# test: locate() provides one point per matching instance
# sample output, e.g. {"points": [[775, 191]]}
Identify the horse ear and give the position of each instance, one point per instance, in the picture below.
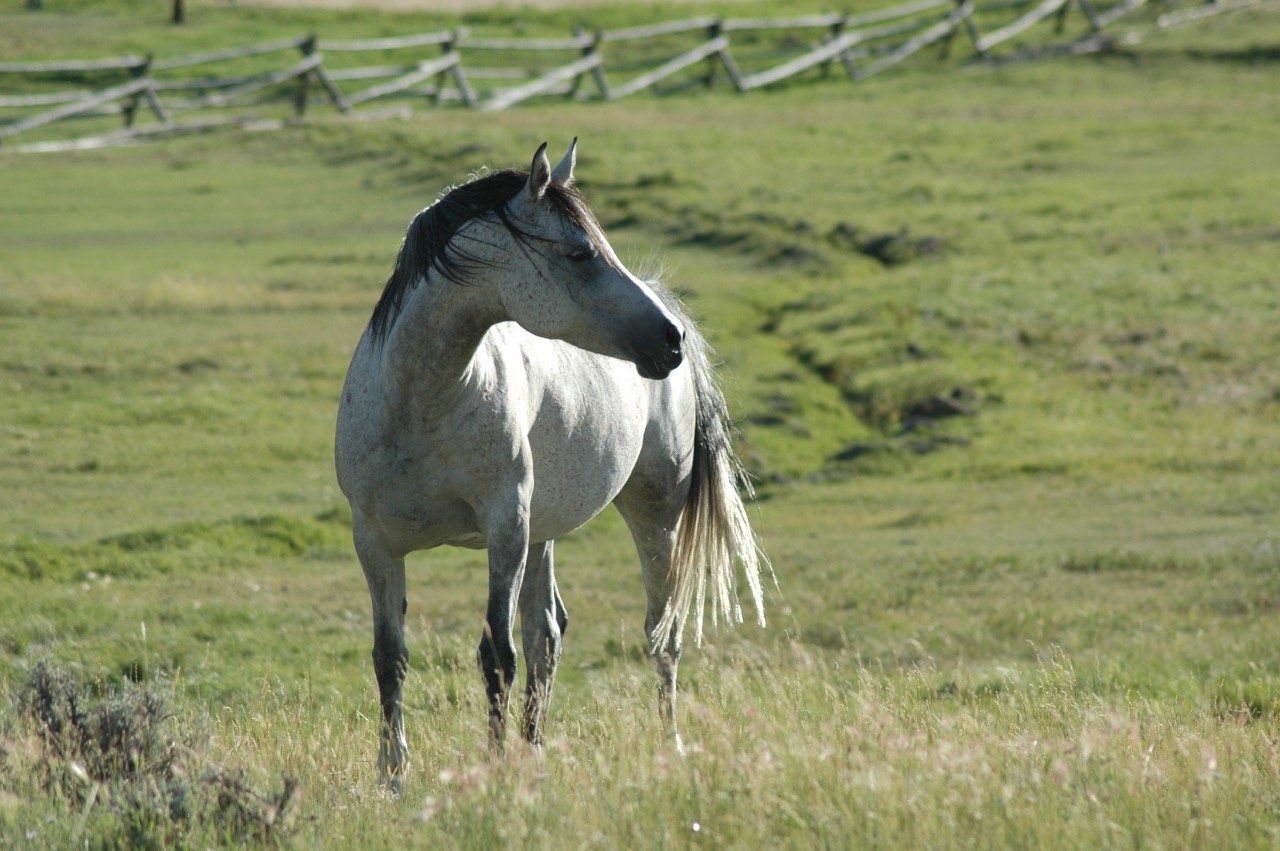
{"points": [[539, 175], [563, 173]]}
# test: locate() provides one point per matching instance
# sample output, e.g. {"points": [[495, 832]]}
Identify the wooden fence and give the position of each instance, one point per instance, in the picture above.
{"points": [[458, 67]]}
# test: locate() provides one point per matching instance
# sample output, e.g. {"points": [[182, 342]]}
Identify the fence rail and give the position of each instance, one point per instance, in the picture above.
{"points": [[886, 37]]}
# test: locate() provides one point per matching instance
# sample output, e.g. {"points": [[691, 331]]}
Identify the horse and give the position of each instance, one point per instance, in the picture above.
{"points": [[514, 379]]}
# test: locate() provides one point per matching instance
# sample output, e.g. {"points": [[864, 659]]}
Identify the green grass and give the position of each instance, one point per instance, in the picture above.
{"points": [[1048, 620]]}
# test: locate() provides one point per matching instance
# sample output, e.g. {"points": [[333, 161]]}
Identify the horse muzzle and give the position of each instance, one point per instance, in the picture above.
{"points": [[659, 362]]}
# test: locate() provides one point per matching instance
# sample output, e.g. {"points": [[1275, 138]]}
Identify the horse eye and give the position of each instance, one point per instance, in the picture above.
{"points": [[580, 255]]}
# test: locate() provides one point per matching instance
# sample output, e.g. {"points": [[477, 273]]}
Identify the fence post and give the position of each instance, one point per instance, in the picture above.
{"points": [[1090, 13], [596, 72], [131, 105], [972, 28], [446, 47], [1061, 23], [713, 32], [944, 46], [724, 57], [335, 94], [308, 47], [459, 76], [837, 30]]}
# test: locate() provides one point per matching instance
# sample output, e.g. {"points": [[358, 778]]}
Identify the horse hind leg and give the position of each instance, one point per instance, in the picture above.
{"points": [[384, 575], [665, 648], [666, 658], [543, 622], [652, 526]]}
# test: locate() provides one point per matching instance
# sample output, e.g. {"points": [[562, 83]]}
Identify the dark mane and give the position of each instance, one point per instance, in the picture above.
{"points": [[428, 236]]}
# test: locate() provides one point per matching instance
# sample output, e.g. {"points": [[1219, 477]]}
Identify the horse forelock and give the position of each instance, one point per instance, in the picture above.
{"points": [[430, 232]]}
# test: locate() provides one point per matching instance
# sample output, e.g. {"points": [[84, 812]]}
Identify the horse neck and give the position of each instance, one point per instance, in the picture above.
{"points": [[429, 351]]}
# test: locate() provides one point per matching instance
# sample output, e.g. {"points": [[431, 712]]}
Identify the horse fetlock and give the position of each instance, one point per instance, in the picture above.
{"points": [[393, 759], [498, 676], [537, 701], [531, 723], [497, 731]]}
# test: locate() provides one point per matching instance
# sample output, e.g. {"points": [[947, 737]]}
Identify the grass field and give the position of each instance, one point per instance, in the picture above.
{"points": [[1004, 353]]}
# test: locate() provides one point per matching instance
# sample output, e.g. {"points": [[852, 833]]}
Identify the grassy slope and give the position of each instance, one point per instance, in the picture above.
{"points": [[1000, 627]]}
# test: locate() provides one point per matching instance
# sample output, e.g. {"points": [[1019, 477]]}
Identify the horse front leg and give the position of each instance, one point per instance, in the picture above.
{"points": [[497, 652], [384, 574], [543, 622]]}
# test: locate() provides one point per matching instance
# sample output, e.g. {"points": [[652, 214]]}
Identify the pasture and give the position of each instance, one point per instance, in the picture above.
{"points": [[1002, 347]]}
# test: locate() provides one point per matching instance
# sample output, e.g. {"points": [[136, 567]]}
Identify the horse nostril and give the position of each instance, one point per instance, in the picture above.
{"points": [[675, 335]]}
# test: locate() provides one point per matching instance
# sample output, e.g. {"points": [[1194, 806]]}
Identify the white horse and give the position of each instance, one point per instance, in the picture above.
{"points": [[515, 379]]}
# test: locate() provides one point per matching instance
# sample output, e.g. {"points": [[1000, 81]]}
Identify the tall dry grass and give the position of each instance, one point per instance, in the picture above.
{"points": [[798, 750]]}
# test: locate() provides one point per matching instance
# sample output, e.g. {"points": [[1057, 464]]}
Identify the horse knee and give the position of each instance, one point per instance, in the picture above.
{"points": [[390, 665]]}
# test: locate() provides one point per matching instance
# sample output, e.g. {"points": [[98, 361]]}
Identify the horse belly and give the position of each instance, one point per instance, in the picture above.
{"points": [[565, 498], [419, 516]]}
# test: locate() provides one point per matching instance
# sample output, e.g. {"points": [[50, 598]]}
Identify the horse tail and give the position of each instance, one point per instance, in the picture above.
{"points": [[713, 533]]}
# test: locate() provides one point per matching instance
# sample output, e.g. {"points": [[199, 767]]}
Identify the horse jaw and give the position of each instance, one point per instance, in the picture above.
{"points": [[650, 369]]}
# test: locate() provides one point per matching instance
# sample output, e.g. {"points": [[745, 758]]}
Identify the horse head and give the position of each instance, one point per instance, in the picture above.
{"points": [[565, 281]]}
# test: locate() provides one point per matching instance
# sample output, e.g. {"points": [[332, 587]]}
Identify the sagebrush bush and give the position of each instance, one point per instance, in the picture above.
{"points": [[116, 757]]}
